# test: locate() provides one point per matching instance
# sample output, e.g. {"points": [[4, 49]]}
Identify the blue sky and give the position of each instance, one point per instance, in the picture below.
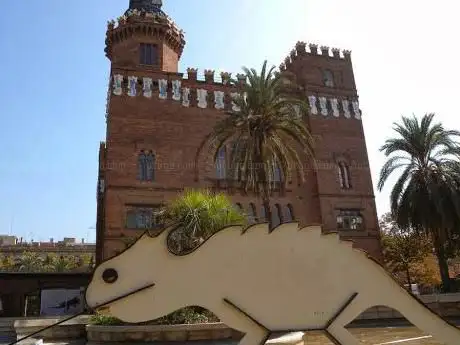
{"points": [[55, 74]]}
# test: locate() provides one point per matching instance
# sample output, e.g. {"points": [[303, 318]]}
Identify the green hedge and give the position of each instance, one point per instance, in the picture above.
{"points": [[186, 315]]}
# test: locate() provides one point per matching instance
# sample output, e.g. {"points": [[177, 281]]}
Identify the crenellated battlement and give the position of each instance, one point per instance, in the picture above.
{"points": [[325, 51], [146, 23], [137, 16], [189, 91]]}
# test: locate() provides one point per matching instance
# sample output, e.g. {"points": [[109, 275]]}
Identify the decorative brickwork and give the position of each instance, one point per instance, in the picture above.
{"points": [[157, 109]]}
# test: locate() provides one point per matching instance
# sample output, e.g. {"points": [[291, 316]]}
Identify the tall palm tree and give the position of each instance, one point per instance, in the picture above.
{"points": [[426, 196], [265, 135]]}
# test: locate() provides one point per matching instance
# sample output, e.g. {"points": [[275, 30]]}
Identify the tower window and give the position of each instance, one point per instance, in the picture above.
{"points": [[344, 175], [349, 220], [148, 54], [328, 78], [145, 166]]}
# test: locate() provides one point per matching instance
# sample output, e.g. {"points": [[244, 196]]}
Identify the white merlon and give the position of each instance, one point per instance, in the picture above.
{"points": [[201, 96], [356, 110], [117, 84], [163, 88], [176, 90], [335, 107], [219, 99], [312, 101], [186, 97], [147, 87], [234, 106], [132, 86], [346, 108], [324, 105]]}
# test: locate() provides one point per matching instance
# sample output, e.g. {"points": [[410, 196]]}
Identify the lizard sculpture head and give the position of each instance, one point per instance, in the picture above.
{"points": [[139, 272]]}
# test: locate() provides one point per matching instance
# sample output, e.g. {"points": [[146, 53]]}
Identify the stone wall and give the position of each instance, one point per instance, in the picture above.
{"points": [[72, 329], [130, 333]]}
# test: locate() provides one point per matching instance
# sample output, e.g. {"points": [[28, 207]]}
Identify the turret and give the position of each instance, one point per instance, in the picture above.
{"points": [[144, 37]]}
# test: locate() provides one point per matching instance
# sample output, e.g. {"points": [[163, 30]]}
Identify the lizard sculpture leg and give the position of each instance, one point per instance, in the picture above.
{"points": [[336, 329], [423, 318], [255, 333]]}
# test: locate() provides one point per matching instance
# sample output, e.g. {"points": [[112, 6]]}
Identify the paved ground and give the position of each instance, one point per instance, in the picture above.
{"points": [[397, 334]]}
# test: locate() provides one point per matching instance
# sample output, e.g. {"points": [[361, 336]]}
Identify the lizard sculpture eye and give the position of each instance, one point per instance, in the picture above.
{"points": [[110, 276]]}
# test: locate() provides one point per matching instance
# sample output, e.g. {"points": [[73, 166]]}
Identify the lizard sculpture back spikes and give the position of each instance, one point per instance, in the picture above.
{"points": [[259, 282]]}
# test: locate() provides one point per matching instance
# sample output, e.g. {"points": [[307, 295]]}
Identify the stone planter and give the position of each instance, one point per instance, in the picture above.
{"points": [[135, 333], [72, 329]]}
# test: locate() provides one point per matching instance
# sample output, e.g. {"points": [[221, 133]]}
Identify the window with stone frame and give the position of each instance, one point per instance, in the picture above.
{"points": [[146, 166], [148, 54], [344, 175], [350, 220], [143, 217]]}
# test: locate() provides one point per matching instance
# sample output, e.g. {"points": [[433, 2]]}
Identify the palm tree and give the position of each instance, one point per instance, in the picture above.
{"points": [[426, 196], [200, 214], [264, 136]]}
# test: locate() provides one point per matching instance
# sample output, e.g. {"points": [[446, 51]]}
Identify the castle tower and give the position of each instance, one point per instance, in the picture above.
{"points": [[344, 184], [157, 118]]}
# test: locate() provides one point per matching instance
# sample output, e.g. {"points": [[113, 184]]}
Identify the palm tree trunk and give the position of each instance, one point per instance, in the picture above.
{"points": [[265, 185], [442, 263]]}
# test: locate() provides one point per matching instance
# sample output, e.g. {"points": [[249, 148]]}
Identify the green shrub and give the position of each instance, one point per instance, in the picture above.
{"points": [[187, 315], [104, 320]]}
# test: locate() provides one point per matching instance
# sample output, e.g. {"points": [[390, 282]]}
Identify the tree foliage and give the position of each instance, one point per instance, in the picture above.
{"points": [[404, 250], [32, 262], [426, 196], [264, 138]]}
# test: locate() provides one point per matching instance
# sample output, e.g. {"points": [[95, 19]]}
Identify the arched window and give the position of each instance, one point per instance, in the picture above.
{"points": [[239, 207], [344, 175], [220, 164], [328, 78], [146, 166], [276, 215], [252, 213], [263, 214], [288, 213]]}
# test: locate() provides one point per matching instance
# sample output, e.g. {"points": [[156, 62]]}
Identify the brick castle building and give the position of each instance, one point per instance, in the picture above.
{"points": [[157, 117]]}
